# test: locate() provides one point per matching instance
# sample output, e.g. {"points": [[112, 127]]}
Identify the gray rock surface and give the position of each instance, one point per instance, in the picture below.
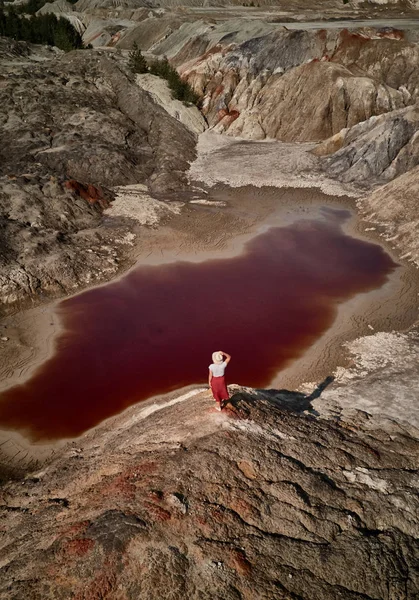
{"points": [[378, 149], [149, 32], [394, 209], [383, 378], [328, 96], [57, 7], [72, 127]]}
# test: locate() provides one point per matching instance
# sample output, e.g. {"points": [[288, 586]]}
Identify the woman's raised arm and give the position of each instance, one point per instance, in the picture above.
{"points": [[227, 357]]}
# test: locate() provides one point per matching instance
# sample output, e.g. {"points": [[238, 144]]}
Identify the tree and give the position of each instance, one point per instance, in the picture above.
{"points": [[136, 61], [40, 29], [181, 90]]}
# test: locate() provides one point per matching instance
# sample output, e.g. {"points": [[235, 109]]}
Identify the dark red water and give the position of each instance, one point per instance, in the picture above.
{"points": [[155, 329]]}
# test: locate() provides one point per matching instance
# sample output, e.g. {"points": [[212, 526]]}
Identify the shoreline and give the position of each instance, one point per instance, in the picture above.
{"points": [[36, 340], [241, 218], [367, 315], [161, 246]]}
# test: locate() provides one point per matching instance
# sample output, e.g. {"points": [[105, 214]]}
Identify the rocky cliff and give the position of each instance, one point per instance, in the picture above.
{"points": [[249, 74], [262, 87], [355, 92], [259, 79]]}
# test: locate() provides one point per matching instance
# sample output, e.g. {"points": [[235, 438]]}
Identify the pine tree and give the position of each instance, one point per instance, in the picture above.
{"points": [[40, 29], [181, 90], [136, 61]]}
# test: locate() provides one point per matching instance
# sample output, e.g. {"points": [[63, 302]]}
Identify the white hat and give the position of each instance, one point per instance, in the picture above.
{"points": [[217, 357]]}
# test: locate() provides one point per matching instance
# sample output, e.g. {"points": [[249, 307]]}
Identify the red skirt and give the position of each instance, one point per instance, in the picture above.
{"points": [[219, 388]]}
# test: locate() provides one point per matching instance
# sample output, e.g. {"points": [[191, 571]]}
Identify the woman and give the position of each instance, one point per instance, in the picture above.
{"points": [[216, 379]]}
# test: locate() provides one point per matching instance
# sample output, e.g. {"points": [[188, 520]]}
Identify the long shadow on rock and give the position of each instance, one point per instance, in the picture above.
{"points": [[245, 403]]}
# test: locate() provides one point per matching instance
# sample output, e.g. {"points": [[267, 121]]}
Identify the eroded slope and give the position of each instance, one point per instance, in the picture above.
{"points": [[73, 127]]}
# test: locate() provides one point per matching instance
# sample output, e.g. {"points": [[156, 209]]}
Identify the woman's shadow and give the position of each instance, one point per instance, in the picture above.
{"points": [[287, 400]]}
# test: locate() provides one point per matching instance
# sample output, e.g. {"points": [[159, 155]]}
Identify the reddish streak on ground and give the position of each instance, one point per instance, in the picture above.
{"points": [[154, 330]]}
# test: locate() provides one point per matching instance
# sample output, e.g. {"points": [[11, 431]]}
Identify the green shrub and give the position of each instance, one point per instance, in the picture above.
{"points": [[136, 61], [181, 90]]}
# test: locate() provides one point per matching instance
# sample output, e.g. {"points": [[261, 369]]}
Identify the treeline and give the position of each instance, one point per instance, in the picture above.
{"points": [[181, 90], [40, 29]]}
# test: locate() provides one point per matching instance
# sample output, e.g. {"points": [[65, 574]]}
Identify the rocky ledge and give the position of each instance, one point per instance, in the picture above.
{"points": [[267, 499]]}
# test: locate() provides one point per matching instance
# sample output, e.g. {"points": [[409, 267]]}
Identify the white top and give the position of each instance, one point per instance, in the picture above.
{"points": [[217, 369]]}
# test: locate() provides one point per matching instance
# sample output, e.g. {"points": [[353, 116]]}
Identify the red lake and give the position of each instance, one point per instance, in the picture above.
{"points": [[154, 330]]}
